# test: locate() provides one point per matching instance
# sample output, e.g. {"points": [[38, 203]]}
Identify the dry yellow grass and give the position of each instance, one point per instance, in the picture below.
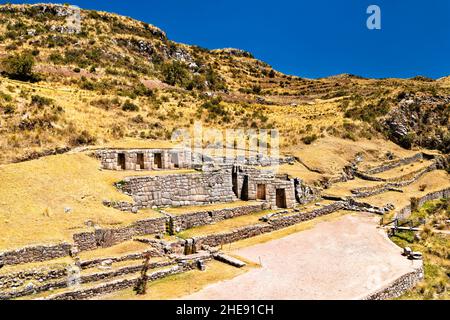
{"points": [[342, 189], [329, 155], [34, 195], [434, 181], [121, 249], [298, 170], [404, 170]]}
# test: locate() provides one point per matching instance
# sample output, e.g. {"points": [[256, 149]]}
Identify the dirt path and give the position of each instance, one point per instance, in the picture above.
{"points": [[343, 259]]}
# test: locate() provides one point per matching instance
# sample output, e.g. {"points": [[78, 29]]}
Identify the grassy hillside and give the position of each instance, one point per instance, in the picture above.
{"points": [[122, 78]]}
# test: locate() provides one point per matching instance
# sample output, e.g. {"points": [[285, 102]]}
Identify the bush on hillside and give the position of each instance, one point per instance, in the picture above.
{"points": [[175, 73], [19, 67]]}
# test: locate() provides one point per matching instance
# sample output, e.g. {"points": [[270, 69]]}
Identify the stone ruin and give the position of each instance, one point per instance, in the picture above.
{"points": [[144, 159], [218, 180]]}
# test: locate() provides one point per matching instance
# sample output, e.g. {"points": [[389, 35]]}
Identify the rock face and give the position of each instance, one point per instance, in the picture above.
{"points": [[304, 193], [422, 121]]}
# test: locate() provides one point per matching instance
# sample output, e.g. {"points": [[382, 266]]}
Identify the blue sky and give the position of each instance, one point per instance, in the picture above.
{"points": [[308, 38]]}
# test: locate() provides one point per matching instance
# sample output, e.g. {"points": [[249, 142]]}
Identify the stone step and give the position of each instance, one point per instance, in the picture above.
{"points": [[229, 260]]}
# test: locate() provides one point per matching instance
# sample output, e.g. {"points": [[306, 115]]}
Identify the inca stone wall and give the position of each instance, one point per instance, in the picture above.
{"points": [[108, 237], [35, 254], [396, 183], [218, 239], [190, 220], [247, 180], [82, 294], [169, 159], [418, 202], [20, 278], [286, 221], [394, 164], [255, 230], [177, 190], [399, 286]]}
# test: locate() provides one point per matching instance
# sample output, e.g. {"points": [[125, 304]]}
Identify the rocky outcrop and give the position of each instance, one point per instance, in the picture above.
{"points": [[421, 121], [305, 193]]}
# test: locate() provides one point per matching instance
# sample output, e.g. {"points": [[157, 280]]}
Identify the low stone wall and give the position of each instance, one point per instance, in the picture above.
{"points": [[394, 164], [59, 280], [217, 239], [35, 254], [130, 257], [398, 287], [121, 271], [395, 183], [163, 247], [20, 278], [190, 220], [416, 203], [83, 294], [286, 221], [108, 237]]}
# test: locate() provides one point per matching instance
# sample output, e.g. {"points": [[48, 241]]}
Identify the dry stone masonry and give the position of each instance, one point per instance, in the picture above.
{"points": [[217, 180]]}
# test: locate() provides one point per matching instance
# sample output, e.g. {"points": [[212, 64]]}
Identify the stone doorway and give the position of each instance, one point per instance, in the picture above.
{"points": [[234, 180], [175, 160], [121, 161], [140, 161], [261, 192], [157, 160], [281, 198], [244, 190]]}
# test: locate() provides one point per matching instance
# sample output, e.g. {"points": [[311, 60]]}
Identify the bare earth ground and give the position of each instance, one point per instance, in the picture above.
{"points": [[347, 258]]}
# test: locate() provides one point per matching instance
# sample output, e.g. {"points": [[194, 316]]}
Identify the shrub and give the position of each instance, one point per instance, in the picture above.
{"points": [[256, 89], [309, 139], [214, 80], [20, 67], [84, 138], [272, 74], [129, 106], [40, 101], [215, 109], [175, 73], [407, 140]]}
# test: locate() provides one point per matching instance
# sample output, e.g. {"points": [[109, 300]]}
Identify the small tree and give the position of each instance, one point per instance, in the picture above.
{"points": [[20, 67], [175, 73]]}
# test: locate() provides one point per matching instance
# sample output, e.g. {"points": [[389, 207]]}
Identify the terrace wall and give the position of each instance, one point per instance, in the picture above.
{"points": [[35, 254], [190, 220], [103, 238], [398, 287]]}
